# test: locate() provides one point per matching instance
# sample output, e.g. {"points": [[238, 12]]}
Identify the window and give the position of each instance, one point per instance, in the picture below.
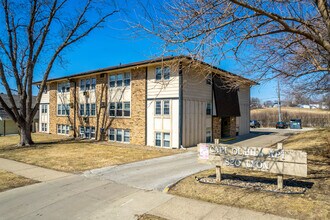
{"points": [[44, 108], [126, 136], [158, 108], [163, 73], [119, 80], [63, 129], [87, 132], [162, 107], [63, 87], [112, 81], [158, 139], [119, 135], [63, 109], [208, 136], [87, 84], [166, 139], [112, 109], [127, 109], [82, 85], [87, 109], [112, 134], [162, 139], [127, 79], [82, 109], [166, 107], [93, 83], [208, 109], [82, 132], [120, 109], [93, 109], [43, 127]]}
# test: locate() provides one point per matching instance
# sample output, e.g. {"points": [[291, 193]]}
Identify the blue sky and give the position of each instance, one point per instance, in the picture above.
{"points": [[115, 44]]}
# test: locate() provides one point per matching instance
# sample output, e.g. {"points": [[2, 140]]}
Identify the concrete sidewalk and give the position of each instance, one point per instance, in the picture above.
{"points": [[31, 171], [78, 197]]}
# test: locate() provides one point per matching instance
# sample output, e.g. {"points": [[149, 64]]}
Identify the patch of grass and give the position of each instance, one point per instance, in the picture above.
{"points": [[9, 180], [76, 156], [314, 204], [12, 140]]}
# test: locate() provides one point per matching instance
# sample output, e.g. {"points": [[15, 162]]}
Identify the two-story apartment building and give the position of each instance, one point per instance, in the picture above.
{"points": [[165, 102]]}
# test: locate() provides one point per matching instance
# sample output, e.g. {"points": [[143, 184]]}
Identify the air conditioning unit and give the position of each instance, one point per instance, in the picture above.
{"points": [[86, 93], [86, 119], [103, 105]]}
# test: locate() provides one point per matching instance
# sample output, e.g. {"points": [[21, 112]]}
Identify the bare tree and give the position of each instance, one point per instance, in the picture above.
{"points": [[286, 38], [34, 34]]}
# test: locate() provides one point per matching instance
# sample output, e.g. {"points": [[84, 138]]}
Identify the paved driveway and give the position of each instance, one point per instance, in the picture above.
{"points": [[157, 174]]}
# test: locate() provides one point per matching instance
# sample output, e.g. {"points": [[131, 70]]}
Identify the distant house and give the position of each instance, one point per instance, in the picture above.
{"points": [[7, 125]]}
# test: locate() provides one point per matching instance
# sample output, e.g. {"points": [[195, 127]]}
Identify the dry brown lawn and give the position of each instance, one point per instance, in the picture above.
{"points": [[314, 204], [76, 156], [9, 181]]}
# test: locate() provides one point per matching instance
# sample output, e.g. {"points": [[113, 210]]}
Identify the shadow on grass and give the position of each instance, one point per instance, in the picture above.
{"points": [[265, 180]]}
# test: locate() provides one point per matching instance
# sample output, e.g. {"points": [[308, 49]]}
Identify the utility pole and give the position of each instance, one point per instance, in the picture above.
{"points": [[279, 100]]}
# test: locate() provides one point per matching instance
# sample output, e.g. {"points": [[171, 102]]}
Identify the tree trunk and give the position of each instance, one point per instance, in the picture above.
{"points": [[25, 135]]}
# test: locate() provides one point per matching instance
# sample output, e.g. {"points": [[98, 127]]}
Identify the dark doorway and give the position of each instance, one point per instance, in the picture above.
{"points": [[225, 127]]}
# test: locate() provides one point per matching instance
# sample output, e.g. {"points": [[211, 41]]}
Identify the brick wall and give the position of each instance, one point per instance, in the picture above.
{"points": [[216, 127]]}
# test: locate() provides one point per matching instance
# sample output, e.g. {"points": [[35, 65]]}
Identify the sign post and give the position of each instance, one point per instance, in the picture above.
{"points": [[271, 160]]}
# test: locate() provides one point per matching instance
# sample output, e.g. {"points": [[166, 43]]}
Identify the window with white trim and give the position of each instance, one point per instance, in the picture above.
{"points": [[162, 107], [208, 109], [63, 129], [162, 73], [87, 132], [44, 108], [162, 139], [63, 87], [87, 84], [120, 109], [119, 135], [87, 109], [44, 127], [63, 109], [120, 79]]}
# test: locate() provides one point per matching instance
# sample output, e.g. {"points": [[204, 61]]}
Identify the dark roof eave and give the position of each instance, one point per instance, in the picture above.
{"points": [[145, 62]]}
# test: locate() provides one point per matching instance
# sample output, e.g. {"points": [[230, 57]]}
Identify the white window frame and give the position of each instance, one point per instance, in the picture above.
{"points": [[115, 110], [162, 139], [162, 73], [44, 108], [125, 76], [115, 132], [90, 135], [65, 85], [208, 135], [66, 109], [63, 129], [44, 127], [162, 108], [208, 110], [83, 84], [83, 109]]}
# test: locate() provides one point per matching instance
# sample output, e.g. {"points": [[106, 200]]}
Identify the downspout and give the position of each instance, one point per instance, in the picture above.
{"points": [[146, 108], [180, 105]]}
